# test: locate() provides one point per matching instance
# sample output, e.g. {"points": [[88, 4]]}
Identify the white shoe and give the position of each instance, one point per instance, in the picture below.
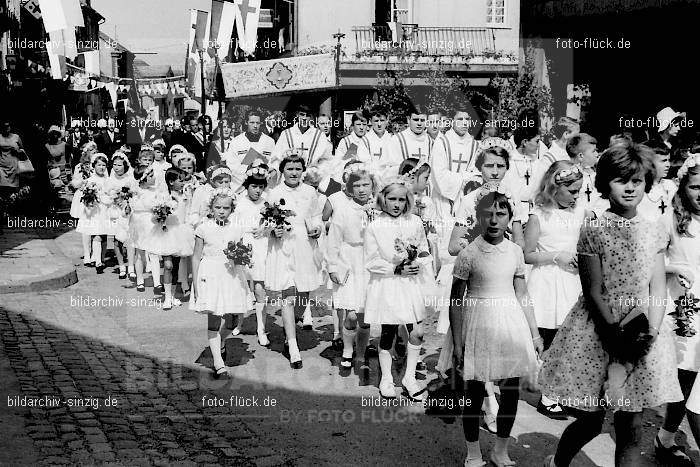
{"points": [[236, 331], [262, 339], [476, 462], [167, 304], [387, 389], [176, 302]]}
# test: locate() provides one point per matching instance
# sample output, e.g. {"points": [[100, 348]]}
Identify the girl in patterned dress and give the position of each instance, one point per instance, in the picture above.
{"points": [[494, 332], [551, 235], [621, 262]]}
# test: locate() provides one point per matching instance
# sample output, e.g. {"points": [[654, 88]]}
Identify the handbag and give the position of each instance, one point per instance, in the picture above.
{"points": [[25, 167]]}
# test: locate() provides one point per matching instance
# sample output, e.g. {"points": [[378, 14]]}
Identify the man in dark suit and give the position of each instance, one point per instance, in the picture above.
{"points": [[109, 140]]}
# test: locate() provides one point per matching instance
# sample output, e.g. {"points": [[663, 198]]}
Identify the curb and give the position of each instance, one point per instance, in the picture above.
{"points": [[64, 277]]}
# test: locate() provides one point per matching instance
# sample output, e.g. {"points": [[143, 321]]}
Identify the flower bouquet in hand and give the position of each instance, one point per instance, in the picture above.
{"points": [[161, 210], [407, 253], [240, 254], [90, 195], [274, 215], [122, 196], [370, 210], [687, 307]]}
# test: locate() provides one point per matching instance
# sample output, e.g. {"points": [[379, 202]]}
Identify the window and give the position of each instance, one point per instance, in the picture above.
{"points": [[400, 11], [496, 11]]}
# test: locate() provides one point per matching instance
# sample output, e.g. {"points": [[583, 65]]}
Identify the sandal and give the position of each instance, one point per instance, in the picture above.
{"points": [[413, 391], [346, 362], [490, 422], [554, 411]]}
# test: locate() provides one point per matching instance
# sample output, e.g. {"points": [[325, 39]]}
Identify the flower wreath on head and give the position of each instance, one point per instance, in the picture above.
{"points": [[94, 157], [352, 168], [292, 152], [563, 176], [397, 180], [486, 189], [408, 176], [219, 171], [494, 141], [227, 192], [146, 147], [182, 156], [122, 156], [689, 163], [254, 169]]}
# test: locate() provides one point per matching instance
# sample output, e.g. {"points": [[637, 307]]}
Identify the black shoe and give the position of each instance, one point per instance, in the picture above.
{"points": [[371, 352], [100, 269], [421, 366], [159, 290], [140, 288], [91, 264], [132, 277], [219, 372], [296, 365], [551, 411], [675, 455], [337, 344], [122, 275]]}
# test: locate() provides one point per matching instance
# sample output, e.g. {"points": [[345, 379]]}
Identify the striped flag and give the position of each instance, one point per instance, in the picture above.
{"points": [[223, 16], [247, 17]]}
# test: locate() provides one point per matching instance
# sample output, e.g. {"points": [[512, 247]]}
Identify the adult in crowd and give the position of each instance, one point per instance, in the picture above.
{"points": [[108, 140], [11, 153], [245, 148], [669, 126]]}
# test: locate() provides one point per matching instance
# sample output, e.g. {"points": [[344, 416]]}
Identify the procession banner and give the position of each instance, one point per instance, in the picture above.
{"points": [[262, 77]]}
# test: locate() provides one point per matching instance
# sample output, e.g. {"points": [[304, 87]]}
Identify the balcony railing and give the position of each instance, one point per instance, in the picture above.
{"points": [[432, 41]]}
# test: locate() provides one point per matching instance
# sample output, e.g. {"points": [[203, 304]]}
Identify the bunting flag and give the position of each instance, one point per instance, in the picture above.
{"points": [[223, 16], [58, 66], [247, 17], [61, 14], [134, 99]]}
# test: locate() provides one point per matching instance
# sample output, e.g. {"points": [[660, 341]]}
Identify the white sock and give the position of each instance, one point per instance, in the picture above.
{"points": [[96, 250], [412, 352], [168, 292], [154, 263], [547, 401], [348, 341], [260, 316], [473, 450], [385, 365], [87, 248], [294, 355], [667, 438], [215, 347]]}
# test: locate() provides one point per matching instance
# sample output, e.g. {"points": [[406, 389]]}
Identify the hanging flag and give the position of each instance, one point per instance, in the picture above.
{"points": [[92, 62], [134, 99], [247, 17], [219, 88], [61, 14], [63, 43], [32, 6], [223, 16], [198, 39], [58, 66]]}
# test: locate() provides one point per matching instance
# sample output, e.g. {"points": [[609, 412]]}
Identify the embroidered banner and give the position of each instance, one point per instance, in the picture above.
{"points": [[273, 76]]}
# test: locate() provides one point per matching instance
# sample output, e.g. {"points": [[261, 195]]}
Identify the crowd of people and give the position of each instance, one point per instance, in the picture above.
{"points": [[551, 264]]}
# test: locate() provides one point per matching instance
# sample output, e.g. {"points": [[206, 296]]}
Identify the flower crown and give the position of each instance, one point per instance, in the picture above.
{"points": [[223, 192], [397, 180], [493, 141], [182, 156], [689, 163], [352, 168], [220, 171], [563, 175], [408, 176], [97, 155], [488, 188], [122, 156], [256, 172]]}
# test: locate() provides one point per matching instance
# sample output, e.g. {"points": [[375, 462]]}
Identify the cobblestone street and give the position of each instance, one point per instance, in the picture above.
{"points": [[133, 387]]}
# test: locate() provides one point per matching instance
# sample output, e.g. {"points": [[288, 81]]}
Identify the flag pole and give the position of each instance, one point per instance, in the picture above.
{"points": [[219, 98], [201, 80]]}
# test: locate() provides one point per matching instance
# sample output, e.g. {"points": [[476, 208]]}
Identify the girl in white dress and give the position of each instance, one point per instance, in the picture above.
{"points": [[121, 176], [174, 241], [657, 204], [160, 165], [394, 294], [219, 176], [82, 172], [683, 270], [293, 266], [220, 286], [187, 162], [551, 236], [247, 216], [95, 220], [346, 265], [493, 328], [141, 222]]}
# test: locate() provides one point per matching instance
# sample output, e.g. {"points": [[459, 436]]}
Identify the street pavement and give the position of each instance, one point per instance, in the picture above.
{"points": [[130, 384]]}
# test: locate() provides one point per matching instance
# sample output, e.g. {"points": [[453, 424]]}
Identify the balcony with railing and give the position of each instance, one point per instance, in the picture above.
{"points": [[424, 41]]}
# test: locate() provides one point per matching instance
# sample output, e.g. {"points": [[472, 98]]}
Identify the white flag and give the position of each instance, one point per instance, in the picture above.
{"points": [[92, 62], [247, 18], [63, 43], [61, 14]]}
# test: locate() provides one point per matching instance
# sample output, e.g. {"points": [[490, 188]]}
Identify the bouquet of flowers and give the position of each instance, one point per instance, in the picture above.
{"points": [[240, 253], [121, 197], [90, 195], [687, 306], [85, 170], [407, 251], [274, 215], [371, 211], [161, 211]]}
